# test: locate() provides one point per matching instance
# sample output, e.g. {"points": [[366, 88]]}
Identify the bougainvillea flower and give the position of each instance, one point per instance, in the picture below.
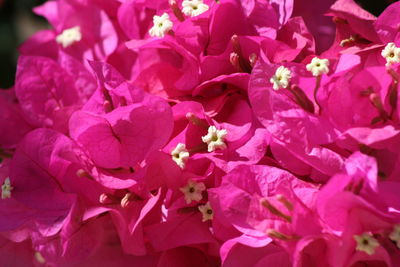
{"points": [[203, 133]]}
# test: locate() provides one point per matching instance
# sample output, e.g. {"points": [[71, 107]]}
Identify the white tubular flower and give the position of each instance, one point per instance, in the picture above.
{"points": [[180, 155], [194, 8], [395, 235], [281, 78], [193, 191], [215, 138], [69, 36], [162, 25], [206, 211], [318, 66], [391, 53], [6, 189], [366, 243]]}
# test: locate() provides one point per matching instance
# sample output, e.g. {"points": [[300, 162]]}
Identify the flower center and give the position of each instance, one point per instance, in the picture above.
{"points": [[6, 189], [395, 235], [391, 53], [281, 78], [215, 139], [161, 25], [366, 243], [69, 36], [206, 211], [180, 155], [193, 8], [318, 66], [193, 191]]}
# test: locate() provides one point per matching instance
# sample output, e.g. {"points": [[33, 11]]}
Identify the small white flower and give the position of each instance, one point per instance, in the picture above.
{"points": [[6, 189], [180, 155], [366, 243], [162, 25], [69, 36], [391, 53], [215, 138], [206, 211], [193, 191], [318, 66], [281, 78], [395, 235], [194, 8]]}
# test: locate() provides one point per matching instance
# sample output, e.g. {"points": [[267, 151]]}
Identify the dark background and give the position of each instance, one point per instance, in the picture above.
{"points": [[17, 22]]}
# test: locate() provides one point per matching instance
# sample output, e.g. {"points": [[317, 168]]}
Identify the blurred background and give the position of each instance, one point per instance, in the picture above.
{"points": [[17, 22]]}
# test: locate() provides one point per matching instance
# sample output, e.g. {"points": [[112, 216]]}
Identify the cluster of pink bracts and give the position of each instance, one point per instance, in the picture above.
{"points": [[203, 133]]}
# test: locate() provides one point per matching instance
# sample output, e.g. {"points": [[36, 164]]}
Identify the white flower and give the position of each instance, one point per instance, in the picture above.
{"points": [[318, 66], [206, 211], [215, 138], [367, 243], [391, 53], [193, 191], [162, 25], [6, 189], [69, 36], [395, 235], [281, 78], [194, 8], [180, 155]]}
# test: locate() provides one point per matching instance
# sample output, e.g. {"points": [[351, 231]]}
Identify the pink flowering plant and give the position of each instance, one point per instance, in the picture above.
{"points": [[203, 133]]}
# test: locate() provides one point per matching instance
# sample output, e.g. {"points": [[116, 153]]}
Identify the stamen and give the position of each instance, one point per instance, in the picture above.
{"points": [[253, 59], [347, 42], [301, 98], [175, 9], [234, 59], [393, 91], [317, 85], [81, 173], [377, 103], [243, 63], [196, 120], [108, 103], [275, 234], [105, 199], [39, 258], [285, 202], [125, 201], [275, 210]]}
